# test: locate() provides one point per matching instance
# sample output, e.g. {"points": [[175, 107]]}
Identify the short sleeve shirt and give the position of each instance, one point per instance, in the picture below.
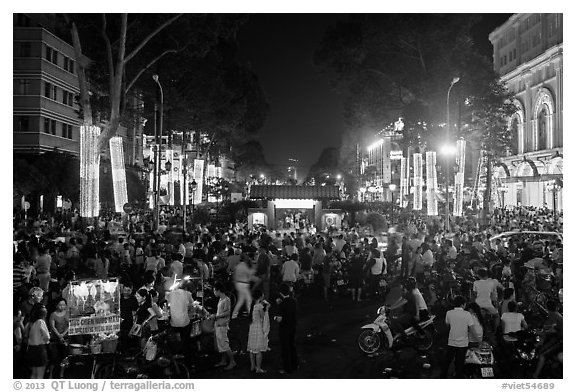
{"points": [[224, 306], [512, 322], [459, 321]]}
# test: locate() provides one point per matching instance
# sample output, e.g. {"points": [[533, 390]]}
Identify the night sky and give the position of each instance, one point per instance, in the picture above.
{"points": [[305, 115]]}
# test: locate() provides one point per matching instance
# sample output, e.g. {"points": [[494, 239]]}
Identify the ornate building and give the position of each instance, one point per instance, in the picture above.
{"points": [[528, 52]]}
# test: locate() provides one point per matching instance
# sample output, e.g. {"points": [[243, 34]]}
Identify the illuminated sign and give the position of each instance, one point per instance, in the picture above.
{"points": [[294, 203]]}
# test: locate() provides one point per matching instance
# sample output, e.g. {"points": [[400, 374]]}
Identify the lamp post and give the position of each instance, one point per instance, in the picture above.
{"points": [[554, 187], [158, 135], [193, 186], [448, 172]]}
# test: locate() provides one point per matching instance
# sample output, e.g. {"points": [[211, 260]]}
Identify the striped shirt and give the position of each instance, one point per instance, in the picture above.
{"points": [[18, 275]]}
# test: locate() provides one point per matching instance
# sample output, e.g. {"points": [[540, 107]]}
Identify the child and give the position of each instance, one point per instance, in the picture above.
{"points": [[258, 334]]}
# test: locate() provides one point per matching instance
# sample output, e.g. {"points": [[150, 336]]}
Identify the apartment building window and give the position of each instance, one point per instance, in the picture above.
{"points": [[25, 49], [54, 93], [47, 90], [67, 131], [46, 125], [23, 124], [68, 64], [53, 127], [24, 87], [50, 126], [51, 55], [67, 98]]}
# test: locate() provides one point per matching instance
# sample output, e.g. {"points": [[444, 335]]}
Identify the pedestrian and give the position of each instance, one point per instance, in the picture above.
{"points": [[461, 323], [287, 321], [58, 327], [38, 339], [258, 333], [243, 275], [221, 327], [356, 275]]}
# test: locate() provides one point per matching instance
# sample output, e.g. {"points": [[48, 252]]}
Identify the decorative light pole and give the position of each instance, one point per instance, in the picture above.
{"points": [[454, 81], [158, 136]]}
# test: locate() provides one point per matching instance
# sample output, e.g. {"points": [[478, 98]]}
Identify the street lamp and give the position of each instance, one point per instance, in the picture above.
{"points": [[193, 187], [554, 187], [158, 136], [448, 151]]}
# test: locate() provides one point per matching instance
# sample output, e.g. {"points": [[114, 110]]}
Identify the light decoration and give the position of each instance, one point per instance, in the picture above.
{"points": [[431, 183], [403, 182], [199, 178], [89, 171], [118, 173], [375, 145], [417, 181], [294, 203], [459, 177]]}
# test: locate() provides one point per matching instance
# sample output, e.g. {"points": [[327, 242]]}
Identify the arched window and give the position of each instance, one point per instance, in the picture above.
{"points": [[543, 128], [514, 131]]}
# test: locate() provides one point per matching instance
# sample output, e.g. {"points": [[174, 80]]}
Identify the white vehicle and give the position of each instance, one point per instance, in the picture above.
{"points": [[534, 236]]}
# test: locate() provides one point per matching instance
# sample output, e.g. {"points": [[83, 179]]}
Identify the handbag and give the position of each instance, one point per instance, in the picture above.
{"points": [[207, 326], [136, 330]]}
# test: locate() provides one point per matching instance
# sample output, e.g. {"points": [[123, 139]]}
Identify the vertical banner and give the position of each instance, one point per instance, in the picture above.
{"points": [[431, 183], [89, 171], [170, 177], [459, 177], [386, 167], [403, 182], [199, 178], [407, 179], [118, 173], [417, 181]]}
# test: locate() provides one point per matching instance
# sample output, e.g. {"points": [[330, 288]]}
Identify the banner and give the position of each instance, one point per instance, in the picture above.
{"points": [[431, 183], [386, 167], [459, 178], [417, 181], [403, 182], [198, 176], [93, 306]]}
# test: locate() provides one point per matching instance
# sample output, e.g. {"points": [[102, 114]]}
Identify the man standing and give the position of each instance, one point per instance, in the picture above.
{"points": [[461, 324], [221, 327], [180, 301], [263, 271], [287, 330], [290, 270]]}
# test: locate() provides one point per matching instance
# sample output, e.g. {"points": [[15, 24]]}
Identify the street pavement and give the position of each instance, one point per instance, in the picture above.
{"points": [[327, 347]]}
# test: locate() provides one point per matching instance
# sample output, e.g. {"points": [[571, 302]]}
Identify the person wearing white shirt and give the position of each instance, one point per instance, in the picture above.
{"points": [[243, 275], [513, 321], [461, 323], [290, 270]]}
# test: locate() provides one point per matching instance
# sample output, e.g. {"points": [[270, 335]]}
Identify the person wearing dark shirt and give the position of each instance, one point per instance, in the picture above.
{"points": [[553, 327], [287, 329], [356, 274], [128, 306]]}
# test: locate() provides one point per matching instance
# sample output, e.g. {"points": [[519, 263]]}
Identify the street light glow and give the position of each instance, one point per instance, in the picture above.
{"points": [[448, 150]]}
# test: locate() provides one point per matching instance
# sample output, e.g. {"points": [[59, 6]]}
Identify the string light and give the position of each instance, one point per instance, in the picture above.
{"points": [[417, 181], [431, 183], [198, 177], [403, 182], [89, 171], [118, 173]]}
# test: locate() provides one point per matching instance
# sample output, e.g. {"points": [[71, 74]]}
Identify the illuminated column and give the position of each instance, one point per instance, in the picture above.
{"points": [[89, 171], [417, 181], [431, 183], [403, 182], [459, 177], [118, 173], [199, 178]]}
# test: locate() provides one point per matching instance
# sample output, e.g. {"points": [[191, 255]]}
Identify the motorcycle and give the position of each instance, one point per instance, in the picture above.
{"points": [[378, 334], [479, 362]]}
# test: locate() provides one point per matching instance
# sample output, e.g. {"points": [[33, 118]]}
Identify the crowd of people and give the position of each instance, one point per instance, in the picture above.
{"points": [[255, 272]]}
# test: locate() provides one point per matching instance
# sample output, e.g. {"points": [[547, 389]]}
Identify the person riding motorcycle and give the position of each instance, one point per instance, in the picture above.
{"points": [[553, 329], [414, 306]]}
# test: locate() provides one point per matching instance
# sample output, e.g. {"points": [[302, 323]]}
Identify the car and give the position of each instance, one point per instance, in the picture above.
{"points": [[536, 237]]}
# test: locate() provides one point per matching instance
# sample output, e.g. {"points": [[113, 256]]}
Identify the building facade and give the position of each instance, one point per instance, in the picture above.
{"points": [[45, 87], [528, 56]]}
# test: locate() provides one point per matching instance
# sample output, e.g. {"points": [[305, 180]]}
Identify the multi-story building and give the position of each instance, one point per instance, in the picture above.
{"points": [[45, 88], [528, 52]]}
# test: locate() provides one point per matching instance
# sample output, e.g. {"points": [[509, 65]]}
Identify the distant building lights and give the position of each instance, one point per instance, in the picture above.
{"points": [[376, 144]]}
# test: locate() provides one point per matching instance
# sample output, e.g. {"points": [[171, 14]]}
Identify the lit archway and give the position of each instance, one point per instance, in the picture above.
{"points": [[516, 126]]}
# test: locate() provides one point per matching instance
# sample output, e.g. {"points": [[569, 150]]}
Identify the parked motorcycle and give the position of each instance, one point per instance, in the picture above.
{"points": [[378, 334], [479, 361]]}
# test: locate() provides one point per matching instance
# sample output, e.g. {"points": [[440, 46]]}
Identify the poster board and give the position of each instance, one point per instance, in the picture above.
{"points": [[93, 306]]}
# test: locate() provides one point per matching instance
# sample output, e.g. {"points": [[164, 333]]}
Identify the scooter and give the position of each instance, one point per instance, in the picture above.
{"points": [[378, 334], [479, 362]]}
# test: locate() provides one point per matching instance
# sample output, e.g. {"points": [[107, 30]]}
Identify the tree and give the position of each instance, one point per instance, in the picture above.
{"points": [[389, 65], [326, 168]]}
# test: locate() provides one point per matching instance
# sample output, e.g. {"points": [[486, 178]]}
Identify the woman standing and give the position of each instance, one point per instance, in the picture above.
{"points": [[38, 339], [58, 327], [258, 333]]}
